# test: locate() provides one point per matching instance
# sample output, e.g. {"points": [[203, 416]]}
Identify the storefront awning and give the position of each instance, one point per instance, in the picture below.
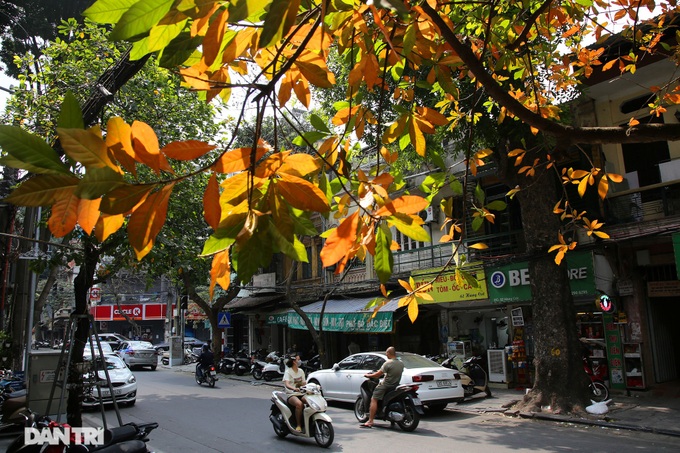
{"points": [[245, 303], [341, 315]]}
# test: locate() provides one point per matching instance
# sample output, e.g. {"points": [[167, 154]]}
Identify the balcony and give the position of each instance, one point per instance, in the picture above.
{"points": [[643, 211]]}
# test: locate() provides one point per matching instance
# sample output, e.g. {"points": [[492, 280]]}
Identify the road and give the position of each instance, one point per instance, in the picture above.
{"points": [[233, 417]]}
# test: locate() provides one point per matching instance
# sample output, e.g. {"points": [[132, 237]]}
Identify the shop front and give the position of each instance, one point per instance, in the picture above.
{"points": [[149, 320]]}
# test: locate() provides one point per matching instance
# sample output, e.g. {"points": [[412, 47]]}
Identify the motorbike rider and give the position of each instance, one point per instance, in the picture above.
{"points": [[293, 379], [205, 359], [392, 370]]}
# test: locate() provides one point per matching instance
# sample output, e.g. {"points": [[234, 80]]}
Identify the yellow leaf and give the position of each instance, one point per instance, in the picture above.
{"points": [[211, 203], [314, 69], [147, 221], [86, 147], [146, 145], [417, 138], [88, 214], [340, 240], [107, 225], [582, 186], [404, 301], [220, 271], [235, 189], [300, 164], [406, 204], [479, 246], [413, 311], [603, 187]]}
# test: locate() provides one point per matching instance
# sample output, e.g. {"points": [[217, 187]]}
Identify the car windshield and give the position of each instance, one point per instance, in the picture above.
{"points": [[141, 345], [106, 348], [112, 363], [415, 361]]}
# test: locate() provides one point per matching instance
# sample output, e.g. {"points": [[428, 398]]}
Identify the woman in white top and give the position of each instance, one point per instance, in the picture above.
{"points": [[293, 379]]}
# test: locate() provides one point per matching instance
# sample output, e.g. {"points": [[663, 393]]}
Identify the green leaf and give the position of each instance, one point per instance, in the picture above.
{"points": [[498, 205], [254, 254], [162, 35], [437, 159], [470, 278], [311, 137], [246, 9], [140, 18], [457, 187], [302, 224], [41, 190], [108, 11], [384, 261], [179, 50], [295, 251], [405, 224], [214, 245], [404, 140], [97, 182], [70, 115], [477, 223], [479, 195], [275, 23], [433, 182], [29, 152], [318, 123]]}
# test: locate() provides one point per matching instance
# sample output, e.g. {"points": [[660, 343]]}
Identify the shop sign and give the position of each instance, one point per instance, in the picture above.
{"points": [[278, 318], [446, 289], [614, 352], [517, 317], [670, 288], [138, 312], [345, 322], [511, 283]]}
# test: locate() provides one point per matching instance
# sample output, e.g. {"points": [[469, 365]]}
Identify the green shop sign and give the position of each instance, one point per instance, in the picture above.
{"points": [[278, 318], [511, 283], [345, 322]]}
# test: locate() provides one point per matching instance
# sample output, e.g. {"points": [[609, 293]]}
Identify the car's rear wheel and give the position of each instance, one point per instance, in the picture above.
{"points": [[153, 367]]}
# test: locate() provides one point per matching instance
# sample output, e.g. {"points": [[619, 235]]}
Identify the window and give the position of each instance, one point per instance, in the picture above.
{"points": [[307, 267], [644, 158], [352, 362], [373, 362], [405, 242]]}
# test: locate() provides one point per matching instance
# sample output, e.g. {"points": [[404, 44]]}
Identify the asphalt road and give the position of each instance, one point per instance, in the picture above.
{"points": [[233, 417]]}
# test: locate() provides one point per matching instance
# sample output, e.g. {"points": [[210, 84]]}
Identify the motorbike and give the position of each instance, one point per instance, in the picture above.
{"points": [[274, 369], [13, 411], [400, 405], [473, 377], [597, 373], [311, 365], [239, 364], [209, 375], [316, 423]]}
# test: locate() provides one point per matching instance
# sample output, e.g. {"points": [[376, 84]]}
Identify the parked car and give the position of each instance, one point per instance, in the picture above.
{"points": [[123, 382], [113, 339], [138, 353], [191, 342], [106, 349], [438, 385]]}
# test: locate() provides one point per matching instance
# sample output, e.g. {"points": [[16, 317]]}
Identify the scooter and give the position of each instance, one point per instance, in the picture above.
{"points": [[597, 374], [311, 365], [257, 367], [401, 405], [209, 375], [14, 412], [473, 377], [316, 423], [275, 369]]}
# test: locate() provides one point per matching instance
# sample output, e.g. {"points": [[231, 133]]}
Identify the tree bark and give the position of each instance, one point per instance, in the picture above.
{"points": [[560, 382]]}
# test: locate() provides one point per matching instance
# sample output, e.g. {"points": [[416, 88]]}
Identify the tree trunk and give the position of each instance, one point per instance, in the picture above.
{"points": [[560, 382]]}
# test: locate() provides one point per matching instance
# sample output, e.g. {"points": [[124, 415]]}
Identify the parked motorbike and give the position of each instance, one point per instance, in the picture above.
{"points": [[597, 373], [238, 363], [401, 405], [311, 365], [209, 375], [274, 369], [13, 411], [256, 368], [473, 377], [316, 423]]}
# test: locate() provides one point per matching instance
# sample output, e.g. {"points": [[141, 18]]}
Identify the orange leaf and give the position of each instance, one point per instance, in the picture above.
{"points": [[213, 37], [220, 272], [340, 240], [64, 214], [211, 203], [301, 193], [147, 221], [119, 141], [406, 285], [238, 159], [86, 147], [187, 150], [406, 204], [124, 198], [300, 165], [234, 190], [107, 225], [417, 137], [146, 145], [88, 213]]}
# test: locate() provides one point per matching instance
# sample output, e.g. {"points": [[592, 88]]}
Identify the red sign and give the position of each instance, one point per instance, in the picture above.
{"points": [[95, 294], [137, 312]]}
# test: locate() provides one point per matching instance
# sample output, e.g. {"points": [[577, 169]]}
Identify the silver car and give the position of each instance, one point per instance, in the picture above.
{"points": [[438, 385], [138, 354], [123, 382]]}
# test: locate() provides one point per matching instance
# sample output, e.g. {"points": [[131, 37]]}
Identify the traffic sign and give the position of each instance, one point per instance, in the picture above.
{"points": [[223, 319]]}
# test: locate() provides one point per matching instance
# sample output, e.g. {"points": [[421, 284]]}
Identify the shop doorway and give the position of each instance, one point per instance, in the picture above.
{"points": [[664, 313]]}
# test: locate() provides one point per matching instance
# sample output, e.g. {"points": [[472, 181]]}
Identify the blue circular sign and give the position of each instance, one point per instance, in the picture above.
{"points": [[498, 279]]}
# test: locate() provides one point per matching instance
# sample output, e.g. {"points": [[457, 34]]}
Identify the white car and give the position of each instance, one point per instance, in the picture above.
{"points": [[123, 382], [439, 386], [106, 349], [138, 354]]}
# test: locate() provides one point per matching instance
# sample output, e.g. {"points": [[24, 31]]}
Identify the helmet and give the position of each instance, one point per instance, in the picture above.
{"points": [[205, 348]]}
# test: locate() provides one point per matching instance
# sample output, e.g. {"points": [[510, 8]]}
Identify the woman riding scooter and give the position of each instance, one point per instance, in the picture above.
{"points": [[293, 379]]}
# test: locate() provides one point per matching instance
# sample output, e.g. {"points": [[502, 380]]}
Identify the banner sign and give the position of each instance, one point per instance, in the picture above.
{"points": [[511, 283], [445, 288], [345, 322], [138, 312]]}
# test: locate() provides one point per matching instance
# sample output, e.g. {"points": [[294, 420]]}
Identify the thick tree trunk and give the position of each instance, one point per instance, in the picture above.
{"points": [[560, 382]]}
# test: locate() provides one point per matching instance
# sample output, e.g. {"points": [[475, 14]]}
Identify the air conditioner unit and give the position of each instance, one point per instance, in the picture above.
{"points": [[427, 214]]}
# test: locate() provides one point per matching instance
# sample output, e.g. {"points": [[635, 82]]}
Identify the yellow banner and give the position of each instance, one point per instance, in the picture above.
{"points": [[445, 289]]}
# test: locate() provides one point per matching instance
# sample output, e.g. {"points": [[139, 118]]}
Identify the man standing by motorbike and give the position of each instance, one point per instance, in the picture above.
{"points": [[205, 359], [392, 370]]}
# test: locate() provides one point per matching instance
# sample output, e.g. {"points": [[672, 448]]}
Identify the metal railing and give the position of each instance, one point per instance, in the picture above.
{"points": [[647, 203]]}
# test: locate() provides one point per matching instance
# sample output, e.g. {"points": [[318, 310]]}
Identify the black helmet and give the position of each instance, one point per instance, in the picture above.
{"points": [[205, 347]]}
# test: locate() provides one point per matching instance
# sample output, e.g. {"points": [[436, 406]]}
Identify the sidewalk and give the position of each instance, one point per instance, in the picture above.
{"points": [[654, 411]]}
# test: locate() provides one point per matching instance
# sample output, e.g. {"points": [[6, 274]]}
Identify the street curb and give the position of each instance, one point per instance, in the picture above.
{"points": [[599, 423]]}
